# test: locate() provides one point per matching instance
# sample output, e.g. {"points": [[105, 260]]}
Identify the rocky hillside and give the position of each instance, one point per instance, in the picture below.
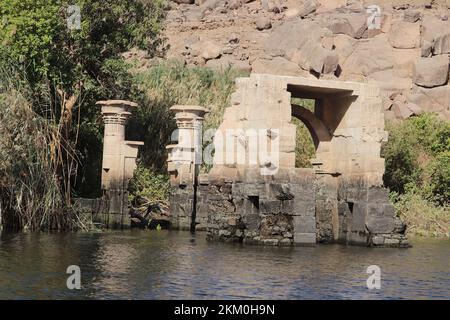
{"points": [[407, 54]]}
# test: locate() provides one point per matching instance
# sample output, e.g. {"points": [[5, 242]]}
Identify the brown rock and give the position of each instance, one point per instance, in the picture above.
{"points": [[344, 46], [405, 4], [263, 23], [401, 110], [330, 5], [431, 72], [277, 66], [306, 51], [435, 34], [389, 81], [387, 104], [210, 50], [405, 35], [442, 43], [285, 40], [353, 25], [369, 57], [272, 5], [291, 13], [427, 48], [411, 16], [414, 108], [234, 4], [405, 60], [435, 99], [308, 7], [319, 59]]}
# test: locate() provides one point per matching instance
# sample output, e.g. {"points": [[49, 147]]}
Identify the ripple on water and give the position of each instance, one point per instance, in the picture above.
{"points": [[177, 265]]}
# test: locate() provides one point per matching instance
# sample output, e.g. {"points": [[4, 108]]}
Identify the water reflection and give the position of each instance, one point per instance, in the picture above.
{"points": [[177, 265]]}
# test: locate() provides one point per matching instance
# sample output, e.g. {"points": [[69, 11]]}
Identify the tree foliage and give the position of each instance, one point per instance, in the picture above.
{"points": [[418, 157], [69, 69], [59, 73]]}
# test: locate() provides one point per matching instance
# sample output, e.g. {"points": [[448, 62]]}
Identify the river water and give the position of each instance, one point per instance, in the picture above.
{"points": [[177, 265]]}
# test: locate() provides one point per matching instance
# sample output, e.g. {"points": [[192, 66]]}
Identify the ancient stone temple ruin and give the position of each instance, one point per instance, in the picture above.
{"points": [[184, 159], [118, 164], [255, 194]]}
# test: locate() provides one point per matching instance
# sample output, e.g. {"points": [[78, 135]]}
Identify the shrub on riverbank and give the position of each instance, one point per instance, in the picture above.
{"points": [[31, 192], [423, 217], [418, 172], [148, 187], [66, 70]]}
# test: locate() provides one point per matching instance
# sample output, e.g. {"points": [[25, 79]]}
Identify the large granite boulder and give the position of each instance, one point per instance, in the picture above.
{"points": [[435, 35], [277, 66], [353, 25], [404, 35], [299, 41], [210, 50], [369, 56], [435, 99], [431, 72]]}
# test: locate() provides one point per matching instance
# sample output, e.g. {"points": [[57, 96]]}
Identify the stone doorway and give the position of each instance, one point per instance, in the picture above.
{"points": [[300, 205]]}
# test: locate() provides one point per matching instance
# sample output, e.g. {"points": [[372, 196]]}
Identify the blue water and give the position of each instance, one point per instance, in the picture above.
{"points": [[176, 265]]}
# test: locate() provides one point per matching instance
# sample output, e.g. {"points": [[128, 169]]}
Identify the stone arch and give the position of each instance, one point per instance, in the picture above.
{"points": [[319, 132]]}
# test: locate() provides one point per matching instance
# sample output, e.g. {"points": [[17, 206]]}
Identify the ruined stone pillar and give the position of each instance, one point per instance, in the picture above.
{"points": [[186, 155], [119, 160], [184, 159]]}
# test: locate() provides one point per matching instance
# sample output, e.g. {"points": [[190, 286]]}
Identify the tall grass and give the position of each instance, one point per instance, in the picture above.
{"points": [[34, 191], [170, 83]]}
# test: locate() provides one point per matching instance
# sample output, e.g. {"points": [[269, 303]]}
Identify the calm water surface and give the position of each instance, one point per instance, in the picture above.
{"points": [[177, 265]]}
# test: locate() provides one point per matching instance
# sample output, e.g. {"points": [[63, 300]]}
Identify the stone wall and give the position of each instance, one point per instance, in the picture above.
{"points": [[301, 208], [274, 212], [266, 199], [366, 216]]}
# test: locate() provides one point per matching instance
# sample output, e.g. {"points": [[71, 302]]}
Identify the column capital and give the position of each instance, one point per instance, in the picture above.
{"points": [[189, 112], [116, 111]]}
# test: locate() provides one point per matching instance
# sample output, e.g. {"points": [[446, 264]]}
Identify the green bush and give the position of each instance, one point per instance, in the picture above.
{"points": [[59, 74], [422, 216], [417, 157], [69, 70], [418, 172], [36, 33], [148, 187], [304, 144]]}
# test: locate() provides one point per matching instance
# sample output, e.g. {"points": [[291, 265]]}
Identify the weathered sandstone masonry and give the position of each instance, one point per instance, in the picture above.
{"points": [[118, 164], [183, 165], [270, 201]]}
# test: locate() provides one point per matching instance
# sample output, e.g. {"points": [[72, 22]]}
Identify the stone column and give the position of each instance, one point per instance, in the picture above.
{"points": [[119, 160], [184, 159], [186, 156]]}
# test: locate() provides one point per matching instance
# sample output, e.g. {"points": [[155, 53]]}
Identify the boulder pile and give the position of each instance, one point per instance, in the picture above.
{"points": [[401, 45]]}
